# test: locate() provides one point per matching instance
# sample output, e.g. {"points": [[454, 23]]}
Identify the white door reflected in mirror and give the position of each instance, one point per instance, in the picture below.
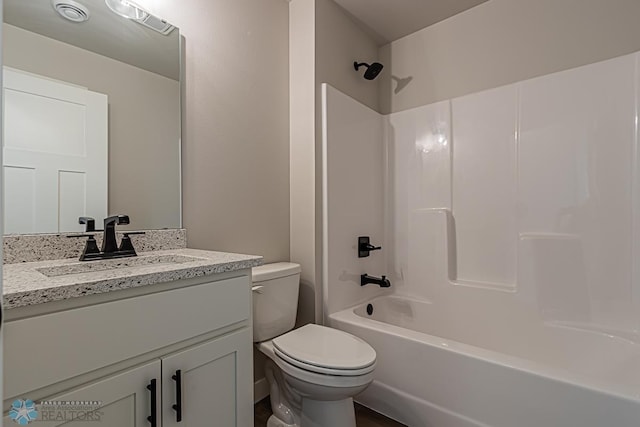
{"points": [[54, 154]]}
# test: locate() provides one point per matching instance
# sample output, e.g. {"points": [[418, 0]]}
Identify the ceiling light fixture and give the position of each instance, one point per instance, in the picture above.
{"points": [[126, 9]]}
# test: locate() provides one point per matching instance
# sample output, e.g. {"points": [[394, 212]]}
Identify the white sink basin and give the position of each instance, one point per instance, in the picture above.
{"points": [[114, 264]]}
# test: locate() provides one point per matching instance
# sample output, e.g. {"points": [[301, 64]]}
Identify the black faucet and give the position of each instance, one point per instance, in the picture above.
{"points": [[109, 244], [383, 282], [110, 247]]}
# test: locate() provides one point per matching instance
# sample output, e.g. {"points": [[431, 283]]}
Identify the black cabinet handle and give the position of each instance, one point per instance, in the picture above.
{"points": [[154, 403], [177, 377]]}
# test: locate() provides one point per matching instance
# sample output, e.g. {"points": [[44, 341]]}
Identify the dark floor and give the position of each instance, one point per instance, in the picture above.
{"points": [[365, 417]]}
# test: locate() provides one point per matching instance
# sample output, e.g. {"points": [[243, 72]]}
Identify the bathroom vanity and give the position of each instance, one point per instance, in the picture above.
{"points": [[162, 339]]}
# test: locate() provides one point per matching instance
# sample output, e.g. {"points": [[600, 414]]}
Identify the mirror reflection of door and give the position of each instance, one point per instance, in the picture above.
{"points": [[54, 154]]}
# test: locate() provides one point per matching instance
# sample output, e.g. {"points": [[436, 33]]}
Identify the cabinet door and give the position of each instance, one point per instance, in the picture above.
{"points": [[216, 383], [126, 402]]}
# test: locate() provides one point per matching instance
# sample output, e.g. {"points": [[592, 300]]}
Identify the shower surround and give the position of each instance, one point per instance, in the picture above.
{"points": [[510, 222]]}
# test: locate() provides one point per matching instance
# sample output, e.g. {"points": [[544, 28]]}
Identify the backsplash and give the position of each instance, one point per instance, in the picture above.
{"points": [[42, 247]]}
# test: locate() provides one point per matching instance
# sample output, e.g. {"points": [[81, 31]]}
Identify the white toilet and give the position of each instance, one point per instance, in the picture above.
{"points": [[314, 371]]}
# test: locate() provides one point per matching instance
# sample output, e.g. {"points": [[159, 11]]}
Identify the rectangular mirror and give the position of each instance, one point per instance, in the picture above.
{"points": [[91, 112]]}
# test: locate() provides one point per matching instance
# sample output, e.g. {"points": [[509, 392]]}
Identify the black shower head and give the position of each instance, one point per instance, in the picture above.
{"points": [[372, 70]]}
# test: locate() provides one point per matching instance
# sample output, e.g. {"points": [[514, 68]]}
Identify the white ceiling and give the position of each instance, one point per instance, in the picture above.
{"points": [[393, 19], [104, 33]]}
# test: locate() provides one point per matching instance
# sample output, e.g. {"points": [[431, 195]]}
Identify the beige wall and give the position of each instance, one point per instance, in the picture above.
{"points": [[340, 42], [144, 130], [504, 41], [236, 123], [236, 148], [302, 152]]}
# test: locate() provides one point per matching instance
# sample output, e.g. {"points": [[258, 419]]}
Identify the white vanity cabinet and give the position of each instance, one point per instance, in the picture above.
{"points": [[209, 373], [124, 396], [193, 337]]}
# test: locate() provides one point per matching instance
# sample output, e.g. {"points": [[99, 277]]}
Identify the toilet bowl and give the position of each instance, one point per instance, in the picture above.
{"points": [[314, 371]]}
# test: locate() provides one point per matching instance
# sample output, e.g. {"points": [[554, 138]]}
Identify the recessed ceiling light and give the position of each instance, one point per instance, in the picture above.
{"points": [[126, 9], [71, 10]]}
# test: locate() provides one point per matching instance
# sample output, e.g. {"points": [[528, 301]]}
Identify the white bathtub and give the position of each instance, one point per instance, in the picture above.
{"points": [[439, 368]]}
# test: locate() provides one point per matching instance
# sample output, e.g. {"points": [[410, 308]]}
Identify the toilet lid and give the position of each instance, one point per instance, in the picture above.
{"points": [[325, 350]]}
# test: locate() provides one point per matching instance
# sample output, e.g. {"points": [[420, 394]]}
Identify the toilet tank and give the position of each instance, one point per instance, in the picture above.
{"points": [[275, 299]]}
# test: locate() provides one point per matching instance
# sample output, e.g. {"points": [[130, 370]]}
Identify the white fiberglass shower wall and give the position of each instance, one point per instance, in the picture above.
{"points": [[539, 181], [512, 227]]}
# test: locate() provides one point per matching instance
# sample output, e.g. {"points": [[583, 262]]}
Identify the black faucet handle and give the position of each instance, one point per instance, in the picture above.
{"points": [[116, 220], [125, 244], [90, 222], [364, 247], [90, 247]]}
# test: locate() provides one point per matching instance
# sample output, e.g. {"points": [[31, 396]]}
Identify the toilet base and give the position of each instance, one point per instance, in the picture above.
{"points": [[322, 413], [318, 413], [274, 421], [301, 398]]}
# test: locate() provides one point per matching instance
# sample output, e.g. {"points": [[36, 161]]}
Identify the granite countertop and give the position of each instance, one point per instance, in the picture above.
{"points": [[34, 283]]}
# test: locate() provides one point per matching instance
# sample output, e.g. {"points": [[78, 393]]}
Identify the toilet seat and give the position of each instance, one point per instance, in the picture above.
{"points": [[332, 381], [327, 351], [323, 370]]}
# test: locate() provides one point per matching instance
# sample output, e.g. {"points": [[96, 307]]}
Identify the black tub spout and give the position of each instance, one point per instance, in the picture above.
{"points": [[383, 282]]}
